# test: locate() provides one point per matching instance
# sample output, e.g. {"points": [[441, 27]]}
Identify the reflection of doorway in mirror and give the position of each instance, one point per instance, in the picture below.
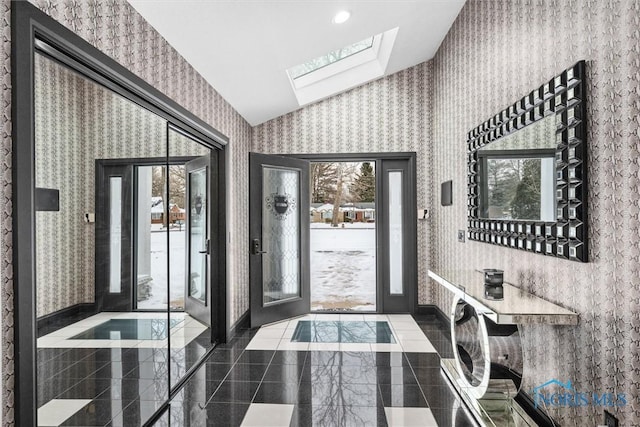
{"points": [[159, 210]]}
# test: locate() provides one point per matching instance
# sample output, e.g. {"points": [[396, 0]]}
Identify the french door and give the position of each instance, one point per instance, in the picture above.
{"points": [[198, 245], [278, 238]]}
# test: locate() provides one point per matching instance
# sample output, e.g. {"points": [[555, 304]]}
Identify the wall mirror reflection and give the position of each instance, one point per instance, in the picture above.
{"points": [[517, 174], [123, 283], [99, 260]]}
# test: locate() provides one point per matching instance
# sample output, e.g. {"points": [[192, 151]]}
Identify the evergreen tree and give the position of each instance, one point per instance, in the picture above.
{"points": [[363, 187], [526, 201]]}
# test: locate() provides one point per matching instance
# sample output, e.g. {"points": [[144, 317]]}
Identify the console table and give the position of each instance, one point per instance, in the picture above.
{"points": [[487, 367]]}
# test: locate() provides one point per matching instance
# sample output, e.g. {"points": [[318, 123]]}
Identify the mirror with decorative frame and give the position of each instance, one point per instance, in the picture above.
{"points": [[527, 174]]}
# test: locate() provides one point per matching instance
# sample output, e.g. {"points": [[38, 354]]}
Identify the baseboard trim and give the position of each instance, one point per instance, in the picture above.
{"points": [[66, 315], [432, 310], [241, 323]]}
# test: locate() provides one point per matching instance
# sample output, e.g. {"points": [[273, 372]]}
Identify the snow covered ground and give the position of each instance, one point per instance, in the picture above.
{"points": [[343, 267], [158, 298]]}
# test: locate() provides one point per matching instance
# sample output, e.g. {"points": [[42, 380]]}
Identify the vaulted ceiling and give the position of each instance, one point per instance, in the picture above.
{"points": [[244, 47]]}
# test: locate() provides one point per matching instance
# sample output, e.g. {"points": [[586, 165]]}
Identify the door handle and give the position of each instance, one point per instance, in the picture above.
{"points": [[206, 250], [256, 247]]}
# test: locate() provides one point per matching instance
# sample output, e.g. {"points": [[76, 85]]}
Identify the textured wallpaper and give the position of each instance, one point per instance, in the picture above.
{"points": [[495, 53], [386, 115]]}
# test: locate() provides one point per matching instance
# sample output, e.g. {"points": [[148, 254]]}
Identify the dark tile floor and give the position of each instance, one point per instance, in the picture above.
{"points": [[127, 385], [327, 388]]}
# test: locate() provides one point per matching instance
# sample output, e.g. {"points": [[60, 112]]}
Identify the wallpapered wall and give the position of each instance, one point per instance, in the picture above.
{"points": [[495, 53], [115, 28], [386, 115]]}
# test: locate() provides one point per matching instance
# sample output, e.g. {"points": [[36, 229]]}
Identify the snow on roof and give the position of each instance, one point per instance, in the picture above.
{"points": [[158, 208], [324, 208]]}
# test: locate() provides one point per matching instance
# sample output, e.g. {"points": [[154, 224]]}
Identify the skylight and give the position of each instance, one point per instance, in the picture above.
{"points": [[342, 69], [330, 58]]}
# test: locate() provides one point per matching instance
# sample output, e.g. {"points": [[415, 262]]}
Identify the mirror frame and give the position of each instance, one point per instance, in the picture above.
{"points": [[564, 97], [29, 28]]}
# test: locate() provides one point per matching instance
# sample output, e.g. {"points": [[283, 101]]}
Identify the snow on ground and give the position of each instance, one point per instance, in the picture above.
{"points": [[158, 298], [343, 267]]}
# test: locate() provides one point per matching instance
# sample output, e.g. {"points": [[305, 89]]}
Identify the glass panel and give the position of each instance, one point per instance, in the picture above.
{"points": [[395, 233], [115, 234], [330, 58], [198, 234], [280, 234], [343, 236]]}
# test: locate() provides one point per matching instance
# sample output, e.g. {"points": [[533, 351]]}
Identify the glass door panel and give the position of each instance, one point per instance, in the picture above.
{"points": [[197, 230], [280, 235], [115, 234]]}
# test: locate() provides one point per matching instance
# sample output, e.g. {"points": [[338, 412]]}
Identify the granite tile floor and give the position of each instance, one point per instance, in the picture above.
{"points": [[112, 382], [245, 384], [261, 379]]}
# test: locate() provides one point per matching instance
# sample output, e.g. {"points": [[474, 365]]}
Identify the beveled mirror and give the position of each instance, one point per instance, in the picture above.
{"points": [[527, 175]]}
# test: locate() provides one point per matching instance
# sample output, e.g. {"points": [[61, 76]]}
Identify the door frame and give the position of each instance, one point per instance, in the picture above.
{"points": [[410, 244]]}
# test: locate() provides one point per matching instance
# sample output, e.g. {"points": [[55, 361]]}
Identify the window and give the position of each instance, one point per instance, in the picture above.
{"points": [[330, 58], [343, 68]]}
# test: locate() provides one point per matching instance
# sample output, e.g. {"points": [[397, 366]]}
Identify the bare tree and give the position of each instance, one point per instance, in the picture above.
{"points": [[177, 186], [337, 195], [344, 175], [323, 177]]}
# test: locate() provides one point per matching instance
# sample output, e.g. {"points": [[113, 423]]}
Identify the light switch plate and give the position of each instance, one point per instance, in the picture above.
{"points": [[461, 237]]}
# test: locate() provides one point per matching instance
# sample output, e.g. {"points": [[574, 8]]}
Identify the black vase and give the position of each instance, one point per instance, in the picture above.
{"points": [[493, 284]]}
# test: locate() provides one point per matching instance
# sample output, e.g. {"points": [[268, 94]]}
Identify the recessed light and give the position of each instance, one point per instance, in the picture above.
{"points": [[341, 17]]}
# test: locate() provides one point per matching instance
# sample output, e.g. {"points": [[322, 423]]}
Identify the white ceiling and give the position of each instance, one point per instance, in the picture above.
{"points": [[243, 47]]}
